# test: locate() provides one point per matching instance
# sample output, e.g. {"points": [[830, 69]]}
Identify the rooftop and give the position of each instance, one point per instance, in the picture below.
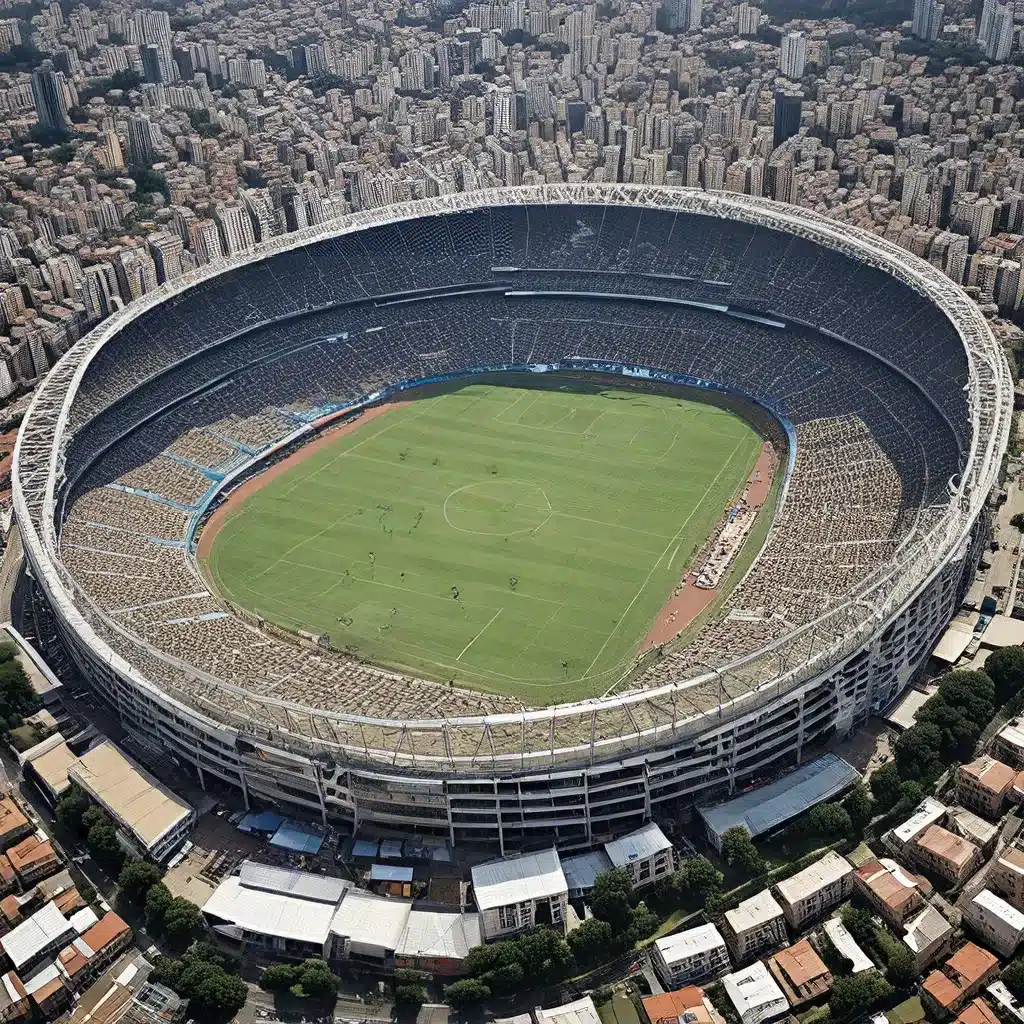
{"points": [[12, 818], [754, 988], [928, 812], [946, 846], [990, 774], [889, 882], [693, 941], [825, 871], [926, 928], [996, 905], [846, 944], [371, 921], [443, 936], [581, 1011], [32, 850], [646, 842], [51, 760], [800, 964], [670, 1007], [977, 1011], [768, 807], [581, 870], [292, 882], [45, 926], [753, 912], [147, 807], [966, 967], [532, 876]]}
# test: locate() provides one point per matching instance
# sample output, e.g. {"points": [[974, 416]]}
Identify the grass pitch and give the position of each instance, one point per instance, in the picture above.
{"points": [[515, 539]]}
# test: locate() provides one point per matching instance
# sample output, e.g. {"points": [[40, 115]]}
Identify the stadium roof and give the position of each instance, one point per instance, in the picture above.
{"points": [[374, 925], [769, 807], [132, 796], [533, 876], [267, 913], [438, 935], [640, 845], [291, 882], [46, 926]]}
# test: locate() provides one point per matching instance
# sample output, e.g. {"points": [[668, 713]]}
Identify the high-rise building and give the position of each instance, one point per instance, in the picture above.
{"points": [[166, 250], [748, 19], [684, 15], [927, 21], [793, 56], [235, 227], [785, 117], [205, 241], [141, 140], [995, 30], [49, 97], [504, 112]]}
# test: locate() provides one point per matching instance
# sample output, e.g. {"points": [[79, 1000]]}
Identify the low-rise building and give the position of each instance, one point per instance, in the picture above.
{"points": [[978, 830], [891, 890], [14, 1001], [34, 858], [690, 956], [438, 942], [647, 855], [753, 927], [977, 1011], [929, 936], [959, 979], [1006, 876], [998, 924], [1008, 745], [846, 946], [755, 994], [929, 812], [41, 935], [684, 1004], [14, 826], [514, 893], [812, 892], [801, 973], [49, 995], [93, 951], [984, 784], [947, 855]]}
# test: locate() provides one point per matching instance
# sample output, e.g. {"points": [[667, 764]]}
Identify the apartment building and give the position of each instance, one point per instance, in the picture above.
{"points": [[94, 951], [32, 859], [14, 826], [1008, 745], [755, 994], [14, 1002], [947, 855], [891, 890], [999, 925], [929, 936], [1006, 876], [946, 990], [817, 889], [646, 855], [690, 956], [753, 927], [984, 786], [801, 974], [515, 893]]}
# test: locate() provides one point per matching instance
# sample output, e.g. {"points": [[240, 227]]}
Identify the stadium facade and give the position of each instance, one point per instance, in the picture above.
{"points": [[886, 380]]}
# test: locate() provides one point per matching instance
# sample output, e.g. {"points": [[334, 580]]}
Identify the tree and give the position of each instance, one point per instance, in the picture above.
{"points": [[1017, 522], [828, 819], [859, 807], [856, 994], [182, 921], [610, 900], [700, 877], [911, 794], [1013, 977], [859, 924], [465, 993], [95, 815], [158, 899], [593, 942], [72, 805], [17, 698], [104, 846], [900, 968], [739, 851], [136, 879], [214, 994], [278, 978], [885, 786], [544, 955], [1005, 668], [411, 995], [314, 980], [919, 751], [644, 922]]}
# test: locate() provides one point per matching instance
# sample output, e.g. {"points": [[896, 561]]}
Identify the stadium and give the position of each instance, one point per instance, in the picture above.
{"points": [[875, 379]]}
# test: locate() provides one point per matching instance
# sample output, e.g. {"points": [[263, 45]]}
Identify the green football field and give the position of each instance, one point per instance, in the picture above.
{"points": [[515, 539]]}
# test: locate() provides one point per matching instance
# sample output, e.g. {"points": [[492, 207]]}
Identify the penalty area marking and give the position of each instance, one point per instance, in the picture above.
{"points": [[500, 533], [480, 634]]}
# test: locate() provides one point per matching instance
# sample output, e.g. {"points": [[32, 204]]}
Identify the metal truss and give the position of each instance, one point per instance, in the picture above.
{"points": [[637, 720]]}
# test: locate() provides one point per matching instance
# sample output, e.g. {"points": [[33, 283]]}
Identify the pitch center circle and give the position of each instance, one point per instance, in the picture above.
{"points": [[497, 508]]}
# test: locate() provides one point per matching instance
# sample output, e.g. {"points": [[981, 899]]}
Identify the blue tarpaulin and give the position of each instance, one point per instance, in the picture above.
{"points": [[364, 848], [262, 821], [295, 836], [390, 873]]}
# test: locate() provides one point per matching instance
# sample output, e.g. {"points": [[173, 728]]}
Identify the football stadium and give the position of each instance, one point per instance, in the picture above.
{"points": [[517, 516]]}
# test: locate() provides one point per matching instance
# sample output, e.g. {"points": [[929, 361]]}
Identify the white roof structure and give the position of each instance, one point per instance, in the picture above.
{"points": [[581, 871], [694, 941], [753, 912], [924, 929], [440, 936], [42, 979], [825, 871], [83, 920], [291, 882], [846, 944], [582, 1011], [238, 908], [1003, 631], [971, 826], [997, 906], [642, 844], [755, 994], [1012, 734], [44, 927], [373, 925], [533, 876], [954, 641], [928, 813], [904, 714]]}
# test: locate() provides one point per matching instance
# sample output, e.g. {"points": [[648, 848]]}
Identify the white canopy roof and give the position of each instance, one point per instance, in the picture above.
{"points": [[533, 876], [270, 913], [374, 925]]}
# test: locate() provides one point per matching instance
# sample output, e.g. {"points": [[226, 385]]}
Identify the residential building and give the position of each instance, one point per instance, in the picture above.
{"points": [[50, 97], [14, 1001], [1008, 745], [755, 994], [32, 859], [894, 892], [947, 855], [928, 812], [438, 942], [754, 926], [998, 924], [973, 827], [959, 979], [1006, 876], [93, 951], [516, 893], [49, 995], [690, 956], [688, 1004], [929, 936], [793, 56], [46, 931], [581, 871], [647, 855], [153, 820], [801, 973], [984, 786], [810, 893], [977, 1011], [14, 826], [46, 764]]}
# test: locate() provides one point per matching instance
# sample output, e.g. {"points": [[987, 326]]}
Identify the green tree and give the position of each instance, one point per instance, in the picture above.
{"points": [[1013, 977], [182, 922], [611, 898], [278, 978], [544, 955], [859, 924], [911, 794], [214, 994], [857, 994], [72, 805], [739, 851], [158, 899], [1017, 522], [859, 807], [136, 879], [899, 965], [95, 815], [17, 698], [593, 942], [1005, 668], [410, 995], [314, 980], [466, 993], [828, 819], [919, 751], [700, 877], [885, 786], [643, 923], [104, 847]]}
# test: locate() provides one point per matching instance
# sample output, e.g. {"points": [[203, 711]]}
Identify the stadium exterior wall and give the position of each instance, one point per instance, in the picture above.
{"points": [[852, 661]]}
